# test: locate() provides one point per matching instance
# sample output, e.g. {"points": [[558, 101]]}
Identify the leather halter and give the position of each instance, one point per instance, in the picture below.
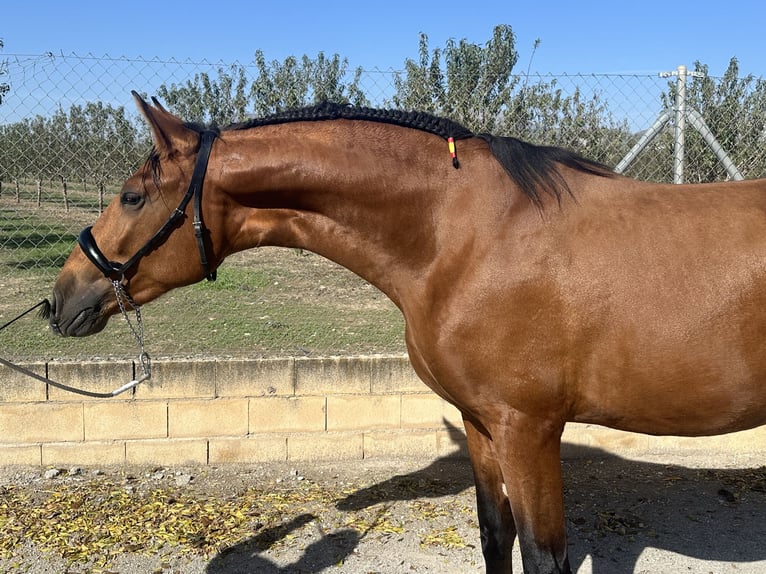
{"points": [[116, 271]]}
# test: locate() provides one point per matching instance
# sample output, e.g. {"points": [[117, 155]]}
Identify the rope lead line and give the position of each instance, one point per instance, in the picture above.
{"points": [[123, 299], [43, 313]]}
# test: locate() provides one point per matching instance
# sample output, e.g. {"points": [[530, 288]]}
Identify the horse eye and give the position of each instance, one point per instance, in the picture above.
{"points": [[131, 198]]}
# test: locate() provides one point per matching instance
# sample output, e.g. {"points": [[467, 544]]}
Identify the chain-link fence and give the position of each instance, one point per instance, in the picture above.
{"points": [[69, 136]]}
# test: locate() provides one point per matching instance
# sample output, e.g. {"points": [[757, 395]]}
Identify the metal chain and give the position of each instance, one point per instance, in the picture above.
{"points": [[123, 298]]}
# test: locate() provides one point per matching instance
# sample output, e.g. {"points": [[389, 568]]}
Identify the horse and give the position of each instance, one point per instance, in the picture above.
{"points": [[537, 287]]}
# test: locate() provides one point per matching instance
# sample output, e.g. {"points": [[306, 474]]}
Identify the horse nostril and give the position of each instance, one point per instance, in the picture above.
{"points": [[54, 307], [53, 314]]}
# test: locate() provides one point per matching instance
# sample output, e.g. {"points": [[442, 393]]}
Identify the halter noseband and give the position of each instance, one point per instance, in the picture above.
{"points": [[116, 271]]}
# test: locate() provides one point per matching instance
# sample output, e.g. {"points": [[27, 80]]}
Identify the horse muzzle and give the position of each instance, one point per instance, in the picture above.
{"points": [[77, 315]]}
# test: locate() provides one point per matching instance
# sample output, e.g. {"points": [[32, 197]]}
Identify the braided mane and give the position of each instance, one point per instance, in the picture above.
{"points": [[535, 169], [423, 121]]}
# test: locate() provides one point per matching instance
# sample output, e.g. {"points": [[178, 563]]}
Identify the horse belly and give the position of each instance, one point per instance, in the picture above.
{"points": [[701, 386], [665, 319]]}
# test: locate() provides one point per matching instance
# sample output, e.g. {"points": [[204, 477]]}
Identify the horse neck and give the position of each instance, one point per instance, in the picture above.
{"points": [[361, 194]]}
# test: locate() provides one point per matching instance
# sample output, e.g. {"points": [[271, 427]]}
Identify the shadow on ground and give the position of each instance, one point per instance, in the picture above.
{"points": [[616, 510]]}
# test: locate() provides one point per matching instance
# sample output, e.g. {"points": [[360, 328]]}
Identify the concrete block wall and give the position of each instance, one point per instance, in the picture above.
{"points": [[250, 411], [219, 411]]}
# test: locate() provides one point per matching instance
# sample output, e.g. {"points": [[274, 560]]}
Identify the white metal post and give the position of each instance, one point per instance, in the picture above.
{"points": [[680, 125]]}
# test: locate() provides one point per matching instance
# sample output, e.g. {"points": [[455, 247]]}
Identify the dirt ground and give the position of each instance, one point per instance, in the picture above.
{"points": [[361, 517]]}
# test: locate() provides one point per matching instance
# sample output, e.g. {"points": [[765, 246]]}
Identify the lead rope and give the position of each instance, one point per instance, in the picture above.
{"points": [[137, 329]]}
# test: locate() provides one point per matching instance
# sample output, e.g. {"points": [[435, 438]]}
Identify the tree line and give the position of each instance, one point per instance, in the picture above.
{"points": [[475, 84]]}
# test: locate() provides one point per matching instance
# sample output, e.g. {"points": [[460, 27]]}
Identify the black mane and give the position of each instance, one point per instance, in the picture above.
{"points": [[442, 127], [534, 169]]}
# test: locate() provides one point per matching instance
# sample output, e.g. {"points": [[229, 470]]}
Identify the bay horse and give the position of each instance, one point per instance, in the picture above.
{"points": [[537, 287]]}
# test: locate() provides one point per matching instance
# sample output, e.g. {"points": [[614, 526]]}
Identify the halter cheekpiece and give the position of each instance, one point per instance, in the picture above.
{"points": [[116, 271]]}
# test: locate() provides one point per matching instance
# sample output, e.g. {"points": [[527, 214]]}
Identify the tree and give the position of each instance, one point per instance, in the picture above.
{"points": [[4, 87], [473, 85], [734, 108], [204, 99], [93, 141], [278, 86], [294, 83]]}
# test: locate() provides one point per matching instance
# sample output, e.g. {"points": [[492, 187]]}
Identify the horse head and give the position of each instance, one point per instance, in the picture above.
{"points": [[142, 241]]}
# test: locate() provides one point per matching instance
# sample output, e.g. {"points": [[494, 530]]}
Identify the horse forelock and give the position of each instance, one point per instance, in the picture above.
{"points": [[153, 167], [153, 163]]}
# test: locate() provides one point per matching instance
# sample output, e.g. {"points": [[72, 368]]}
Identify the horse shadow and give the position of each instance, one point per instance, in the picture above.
{"points": [[627, 516], [617, 510], [245, 558], [448, 475]]}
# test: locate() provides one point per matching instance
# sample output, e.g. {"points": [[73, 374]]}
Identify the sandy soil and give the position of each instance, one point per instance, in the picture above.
{"points": [[390, 517]]}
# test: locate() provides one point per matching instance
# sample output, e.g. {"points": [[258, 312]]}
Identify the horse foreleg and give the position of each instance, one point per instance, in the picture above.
{"points": [[494, 511], [529, 455]]}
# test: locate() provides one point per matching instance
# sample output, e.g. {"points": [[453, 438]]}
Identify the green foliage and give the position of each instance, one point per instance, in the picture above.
{"points": [[277, 86], [95, 141], [204, 99], [473, 85], [734, 108], [476, 86], [4, 88]]}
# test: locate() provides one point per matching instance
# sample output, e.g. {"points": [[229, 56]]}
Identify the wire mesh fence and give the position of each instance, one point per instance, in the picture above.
{"points": [[69, 137]]}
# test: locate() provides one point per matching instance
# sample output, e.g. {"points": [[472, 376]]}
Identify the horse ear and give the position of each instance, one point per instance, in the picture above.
{"points": [[169, 133]]}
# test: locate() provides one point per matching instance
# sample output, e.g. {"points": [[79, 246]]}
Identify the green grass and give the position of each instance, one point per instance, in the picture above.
{"points": [[250, 311], [34, 241], [265, 302]]}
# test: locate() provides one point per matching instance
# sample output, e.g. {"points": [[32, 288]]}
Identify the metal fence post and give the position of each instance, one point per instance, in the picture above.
{"points": [[680, 126]]}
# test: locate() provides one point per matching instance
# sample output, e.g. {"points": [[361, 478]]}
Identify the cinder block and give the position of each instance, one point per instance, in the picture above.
{"points": [[288, 414], [743, 442], [394, 374], [255, 378], [428, 410], [423, 411], [319, 447], [83, 453], [451, 416], [581, 440], [20, 455], [18, 387], [252, 449], [451, 443], [166, 452], [363, 412], [41, 422], [332, 375], [401, 444], [126, 420], [99, 377], [179, 380], [749, 441], [208, 417]]}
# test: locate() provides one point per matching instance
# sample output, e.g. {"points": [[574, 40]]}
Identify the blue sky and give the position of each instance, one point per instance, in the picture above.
{"points": [[576, 37]]}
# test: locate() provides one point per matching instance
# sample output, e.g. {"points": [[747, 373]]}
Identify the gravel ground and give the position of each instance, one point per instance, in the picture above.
{"points": [[366, 517]]}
